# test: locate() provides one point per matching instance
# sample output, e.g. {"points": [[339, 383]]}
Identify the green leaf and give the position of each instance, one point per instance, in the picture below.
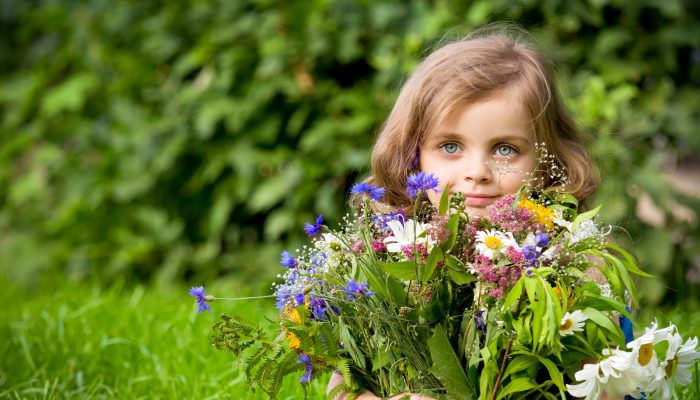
{"points": [[403, 270], [584, 217], [436, 255], [605, 322], [515, 386], [461, 278], [446, 366], [452, 225], [444, 200], [349, 343]]}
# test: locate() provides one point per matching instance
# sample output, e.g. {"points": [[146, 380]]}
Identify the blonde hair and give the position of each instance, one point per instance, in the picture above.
{"points": [[464, 72]]}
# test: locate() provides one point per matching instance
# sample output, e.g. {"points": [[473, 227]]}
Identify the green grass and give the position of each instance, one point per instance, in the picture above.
{"points": [[64, 340], [79, 341]]}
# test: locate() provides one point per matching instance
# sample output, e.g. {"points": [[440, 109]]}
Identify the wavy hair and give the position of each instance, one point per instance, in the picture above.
{"points": [[467, 71]]}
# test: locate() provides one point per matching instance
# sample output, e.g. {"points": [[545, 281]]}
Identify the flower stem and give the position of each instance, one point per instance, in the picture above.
{"points": [[503, 367]]}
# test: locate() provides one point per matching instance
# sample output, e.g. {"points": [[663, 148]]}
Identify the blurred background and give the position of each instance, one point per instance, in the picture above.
{"points": [[150, 146]]}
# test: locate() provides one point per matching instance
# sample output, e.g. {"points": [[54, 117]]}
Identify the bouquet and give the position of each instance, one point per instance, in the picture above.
{"points": [[529, 301]]}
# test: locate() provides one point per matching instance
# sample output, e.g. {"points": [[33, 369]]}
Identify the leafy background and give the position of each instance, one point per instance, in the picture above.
{"points": [[168, 144]]}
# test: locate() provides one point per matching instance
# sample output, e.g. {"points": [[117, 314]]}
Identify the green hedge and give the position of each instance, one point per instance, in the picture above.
{"points": [[166, 141]]}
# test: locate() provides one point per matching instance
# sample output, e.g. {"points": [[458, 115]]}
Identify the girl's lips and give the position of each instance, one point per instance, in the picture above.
{"points": [[477, 200]]}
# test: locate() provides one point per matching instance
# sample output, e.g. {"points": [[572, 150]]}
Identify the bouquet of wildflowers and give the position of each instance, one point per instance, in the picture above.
{"points": [[429, 300]]}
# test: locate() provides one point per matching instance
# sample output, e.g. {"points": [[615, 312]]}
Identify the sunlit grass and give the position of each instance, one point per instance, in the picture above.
{"points": [[78, 341]]}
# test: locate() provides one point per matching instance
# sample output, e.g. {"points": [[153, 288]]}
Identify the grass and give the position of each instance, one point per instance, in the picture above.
{"points": [[65, 340], [79, 341]]}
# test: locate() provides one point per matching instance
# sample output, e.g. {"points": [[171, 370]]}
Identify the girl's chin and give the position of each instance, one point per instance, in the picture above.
{"points": [[477, 212]]}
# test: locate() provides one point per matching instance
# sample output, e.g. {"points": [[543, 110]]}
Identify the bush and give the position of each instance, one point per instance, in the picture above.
{"points": [[184, 142]]}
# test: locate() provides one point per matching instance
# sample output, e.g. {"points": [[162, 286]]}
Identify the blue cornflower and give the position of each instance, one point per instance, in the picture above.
{"points": [[531, 254], [312, 229], [374, 192], [318, 308], [420, 181], [381, 221], [201, 297], [541, 240], [480, 320], [353, 289], [299, 298], [308, 374], [286, 260]]}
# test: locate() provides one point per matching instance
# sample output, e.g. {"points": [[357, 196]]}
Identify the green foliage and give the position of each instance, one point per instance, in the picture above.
{"points": [[64, 340], [173, 140]]}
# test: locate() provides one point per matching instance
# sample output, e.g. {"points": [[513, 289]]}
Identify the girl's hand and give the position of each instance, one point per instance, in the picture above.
{"points": [[337, 379]]}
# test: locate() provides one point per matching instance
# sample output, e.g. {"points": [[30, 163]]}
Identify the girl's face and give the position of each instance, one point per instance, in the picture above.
{"points": [[484, 150]]}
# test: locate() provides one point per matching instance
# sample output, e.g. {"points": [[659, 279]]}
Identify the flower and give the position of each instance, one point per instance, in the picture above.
{"points": [[420, 182], [312, 229], [490, 243], [308, 374], [676, 364], [294, 341], [353, 289], [572, 322], [541, 214], [201, 297], [592, 381], [541, 239], [286, 260], [374, 192], [409, 233]]}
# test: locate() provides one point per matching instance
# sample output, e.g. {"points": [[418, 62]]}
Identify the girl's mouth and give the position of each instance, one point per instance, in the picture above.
{"points": [[479, 200]]}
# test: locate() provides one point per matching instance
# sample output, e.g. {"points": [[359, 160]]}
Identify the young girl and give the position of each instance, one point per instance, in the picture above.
{"points": [[478, 113]]}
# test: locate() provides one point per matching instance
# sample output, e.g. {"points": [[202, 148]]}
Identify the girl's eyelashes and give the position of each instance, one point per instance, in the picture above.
{"points": [[450, 147], [505, 150]]}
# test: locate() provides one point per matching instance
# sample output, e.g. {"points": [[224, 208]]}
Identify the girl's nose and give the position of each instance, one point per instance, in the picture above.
{"points": [[477, 169]]}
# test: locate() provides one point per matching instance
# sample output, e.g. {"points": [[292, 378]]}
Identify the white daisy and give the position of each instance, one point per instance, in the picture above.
{"points": [[572, 322], [592, 378], [675, 367], [405, 234], [490, 243]]}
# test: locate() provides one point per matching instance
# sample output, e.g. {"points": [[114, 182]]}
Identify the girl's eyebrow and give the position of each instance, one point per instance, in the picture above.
{"points": [[457, 137]]}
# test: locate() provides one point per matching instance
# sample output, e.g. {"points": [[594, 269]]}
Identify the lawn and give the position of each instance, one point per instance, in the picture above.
{"points": [[80, 341], [67, 340]]}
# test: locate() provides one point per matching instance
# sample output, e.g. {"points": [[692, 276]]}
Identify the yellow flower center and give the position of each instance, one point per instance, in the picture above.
{"points": [[646, 351], [493, 243], [568, 323]]}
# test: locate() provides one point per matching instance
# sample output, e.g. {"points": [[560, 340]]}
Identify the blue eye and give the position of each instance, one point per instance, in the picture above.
{"points": [[450, 148], [504, 150]]}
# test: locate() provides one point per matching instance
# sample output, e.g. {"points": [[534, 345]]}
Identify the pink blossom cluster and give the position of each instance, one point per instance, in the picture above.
{"points": [[502, 277]]}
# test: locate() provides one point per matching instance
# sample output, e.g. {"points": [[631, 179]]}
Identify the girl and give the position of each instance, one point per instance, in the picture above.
{"points": [[479, 113]]}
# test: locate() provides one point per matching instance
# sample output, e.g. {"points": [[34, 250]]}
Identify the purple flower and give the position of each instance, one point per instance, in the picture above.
{"points": [[299, 298], [312, 229], [480, 320], [531, 254], [353, 289], [420, 182], [375, 193], [541, 240], [308, 374], [318, 308], [198, 293], [287, 260]]}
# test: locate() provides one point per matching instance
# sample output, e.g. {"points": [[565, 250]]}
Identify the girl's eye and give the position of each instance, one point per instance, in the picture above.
{"points": [[450, 148], [504, 150]]}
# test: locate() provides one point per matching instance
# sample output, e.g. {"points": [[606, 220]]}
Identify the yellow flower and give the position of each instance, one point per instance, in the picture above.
{"points": [[294, 341], [292, 314], [541, 214]]}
